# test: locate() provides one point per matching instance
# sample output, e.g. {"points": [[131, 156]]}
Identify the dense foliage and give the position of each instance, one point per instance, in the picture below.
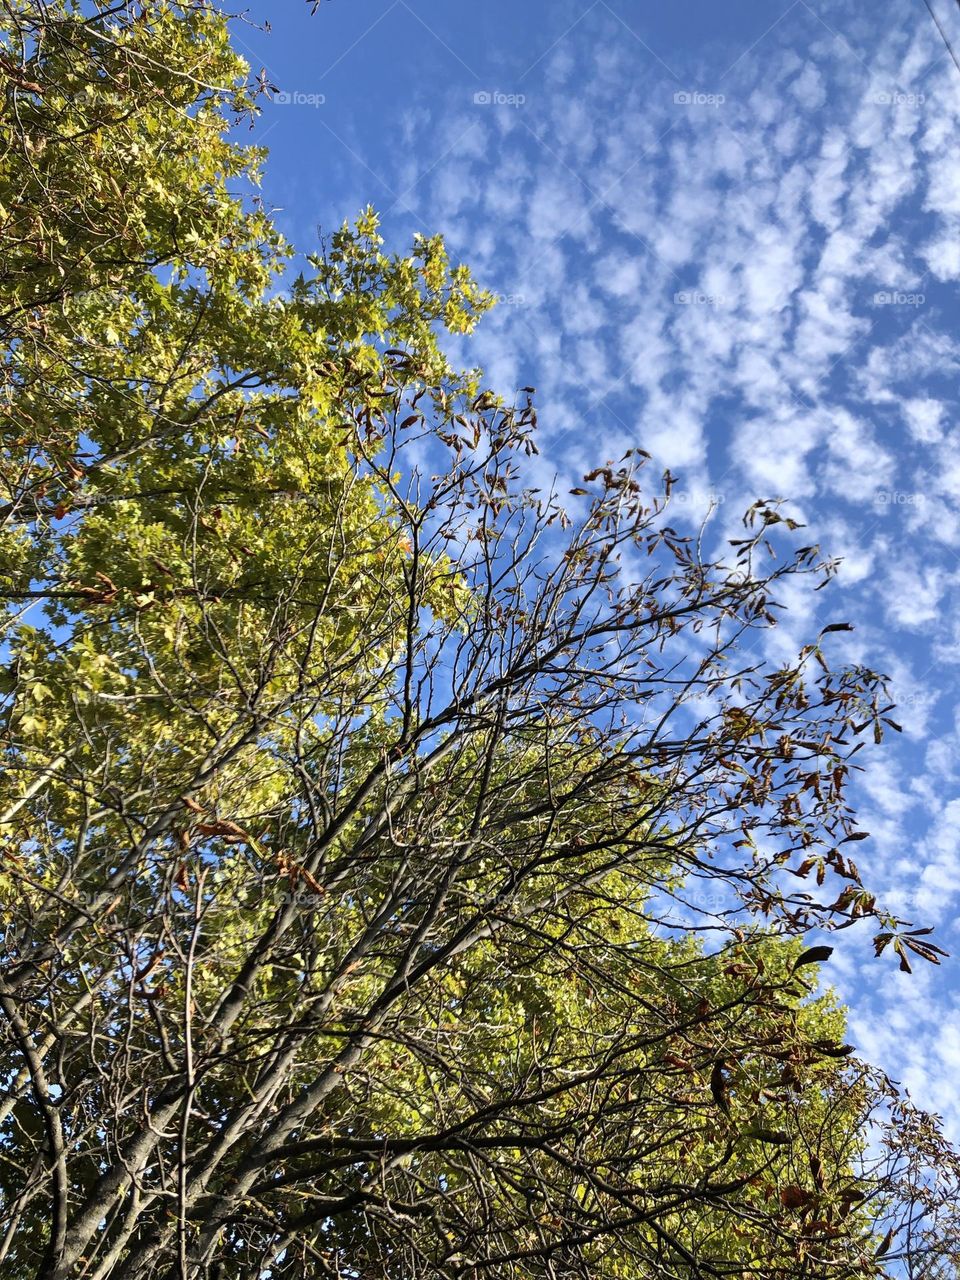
{"points": [[397, 878]]}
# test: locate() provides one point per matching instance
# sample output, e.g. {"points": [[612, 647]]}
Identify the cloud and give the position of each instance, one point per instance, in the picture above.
{"points": [[754, 284], [924, 417]]}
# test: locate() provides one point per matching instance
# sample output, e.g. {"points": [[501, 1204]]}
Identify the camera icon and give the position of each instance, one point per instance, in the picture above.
{"points": [[283, 98], [482, 99], [683, 99]]}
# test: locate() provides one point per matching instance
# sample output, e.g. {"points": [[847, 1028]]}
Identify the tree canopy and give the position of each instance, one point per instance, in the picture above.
{"points": [[398, 875]]}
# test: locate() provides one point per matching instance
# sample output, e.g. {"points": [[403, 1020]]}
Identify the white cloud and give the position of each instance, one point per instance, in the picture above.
{"points": [[924, 417], [942, 254], [781, 213]]}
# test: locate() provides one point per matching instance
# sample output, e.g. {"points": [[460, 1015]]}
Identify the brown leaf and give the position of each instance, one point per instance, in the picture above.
{"points": [[885, 1244], [794, 1197], [718, 1086], [224, 828], [813, 955], [682, 1063]]}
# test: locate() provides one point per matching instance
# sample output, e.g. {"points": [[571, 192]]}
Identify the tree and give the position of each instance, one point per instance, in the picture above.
{"points": [[398, 878]]}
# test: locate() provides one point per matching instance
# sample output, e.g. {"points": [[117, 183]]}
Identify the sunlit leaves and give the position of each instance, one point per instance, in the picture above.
{"points": [[354, 814]]}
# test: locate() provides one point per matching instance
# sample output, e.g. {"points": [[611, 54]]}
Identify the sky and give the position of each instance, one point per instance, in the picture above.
{"points": [[728, 234]]}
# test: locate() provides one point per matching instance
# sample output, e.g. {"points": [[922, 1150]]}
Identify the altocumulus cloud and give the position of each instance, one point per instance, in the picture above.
{"points": [[749, 267]]}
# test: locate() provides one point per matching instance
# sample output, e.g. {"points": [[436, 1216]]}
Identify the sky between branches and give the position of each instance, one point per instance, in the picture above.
{"points": [[731, 235]]}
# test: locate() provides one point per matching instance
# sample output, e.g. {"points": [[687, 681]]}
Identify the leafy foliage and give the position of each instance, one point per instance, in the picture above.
{"points": [[397, 878]]}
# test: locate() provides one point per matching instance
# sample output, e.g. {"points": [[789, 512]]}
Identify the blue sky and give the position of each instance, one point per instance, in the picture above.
{"points": [[729, 234]]}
